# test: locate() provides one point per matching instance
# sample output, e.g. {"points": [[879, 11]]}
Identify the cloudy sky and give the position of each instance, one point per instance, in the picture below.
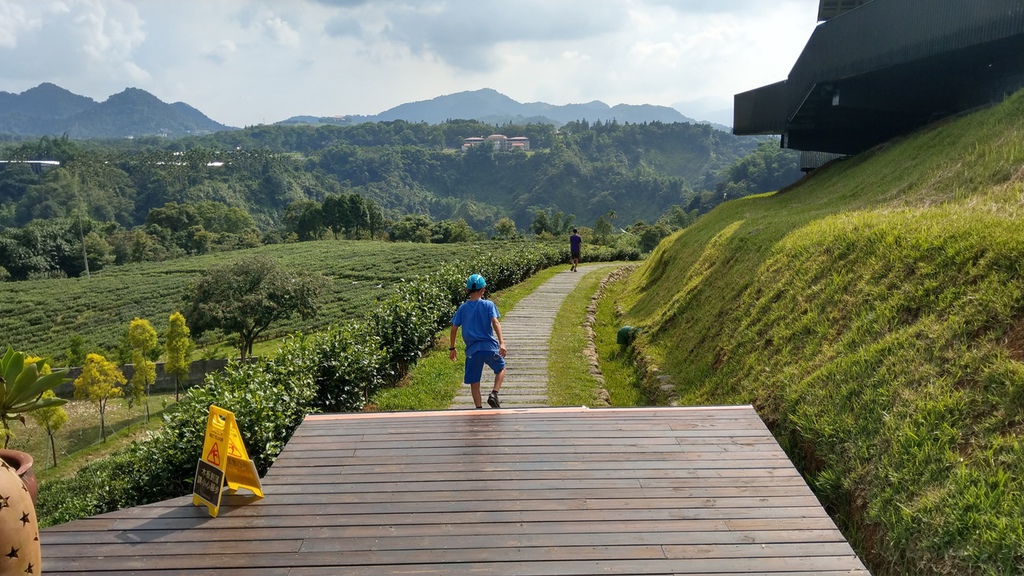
{"points": [[245, 62]]}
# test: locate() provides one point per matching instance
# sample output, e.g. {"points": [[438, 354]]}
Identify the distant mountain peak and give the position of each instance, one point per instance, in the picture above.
{"points": [[49, 109], [489, 105], [134, 94]]}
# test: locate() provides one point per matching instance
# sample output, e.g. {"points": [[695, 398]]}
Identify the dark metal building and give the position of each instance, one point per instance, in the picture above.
{"points": [[875, 69]]}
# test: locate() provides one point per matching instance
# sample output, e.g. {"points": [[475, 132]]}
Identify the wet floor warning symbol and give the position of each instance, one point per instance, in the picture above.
{"points": [[213, 457], [234, 469]]}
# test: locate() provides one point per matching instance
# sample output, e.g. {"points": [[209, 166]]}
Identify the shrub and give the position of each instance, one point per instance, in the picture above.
{"points": [[333, 370], [351, 364], [269, 398]]}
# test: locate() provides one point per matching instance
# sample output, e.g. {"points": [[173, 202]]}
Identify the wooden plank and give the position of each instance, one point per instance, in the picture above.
{"points": [[711, 558], [340, 539], [713, 477], [699, 491], [641, 491], [324, 434], [768, 506], [614, 568], [626, 458]]}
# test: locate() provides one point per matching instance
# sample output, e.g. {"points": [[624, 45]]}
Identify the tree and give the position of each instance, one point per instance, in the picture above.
{"points": [[540, 223], [23, 381], [650, 234], [75, 353], [142, 338], [375, 218], [334, 213], [358, 215], [179, 350], [561, 224], [450, 231], [412, 228], [100, 381], [51, 419], [306, 219], [506, 229], [246, 297], [174, 217], [602, 230]]}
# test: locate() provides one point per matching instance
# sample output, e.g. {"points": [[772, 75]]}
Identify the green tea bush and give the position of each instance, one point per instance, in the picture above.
{"points": [[406, 321], [351, 363], [334, 370]]}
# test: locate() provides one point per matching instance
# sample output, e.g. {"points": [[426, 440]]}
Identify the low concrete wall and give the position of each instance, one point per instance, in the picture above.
{"points": [[197, 372]]}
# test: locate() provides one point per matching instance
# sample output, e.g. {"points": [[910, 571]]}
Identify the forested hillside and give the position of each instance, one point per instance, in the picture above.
{"points": [[154, 198]]}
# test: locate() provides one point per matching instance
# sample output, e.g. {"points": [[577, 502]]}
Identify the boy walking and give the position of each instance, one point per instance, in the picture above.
{"points": [[479, 321]]}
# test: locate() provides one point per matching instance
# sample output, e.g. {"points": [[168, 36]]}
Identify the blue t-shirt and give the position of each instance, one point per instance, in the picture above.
{"points": [[574, 243], [474, 316]]}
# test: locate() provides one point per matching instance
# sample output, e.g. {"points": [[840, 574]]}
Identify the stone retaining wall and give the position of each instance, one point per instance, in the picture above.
{"points": [[197, 372]]}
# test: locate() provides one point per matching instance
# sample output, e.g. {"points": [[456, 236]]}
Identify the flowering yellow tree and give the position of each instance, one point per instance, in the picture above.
{"points": [[23, 379], [51, 419], [100, 381], [142, 338], [179, 349]]}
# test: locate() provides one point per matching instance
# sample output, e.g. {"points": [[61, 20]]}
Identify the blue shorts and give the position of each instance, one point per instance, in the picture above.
{"points": [[475, 365]]}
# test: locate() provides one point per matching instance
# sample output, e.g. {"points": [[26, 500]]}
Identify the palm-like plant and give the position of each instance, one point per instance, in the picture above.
{"points": [[22, 385]]}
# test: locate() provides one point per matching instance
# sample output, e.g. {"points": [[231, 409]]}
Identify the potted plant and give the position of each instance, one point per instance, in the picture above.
{"points": [[19, 527], [22, 384]]}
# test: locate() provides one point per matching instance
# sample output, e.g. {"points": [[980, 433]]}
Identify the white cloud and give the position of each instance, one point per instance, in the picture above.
{"points": [[222, 52], [108, 34], [13, 22], [281, 32], [247, 61]]}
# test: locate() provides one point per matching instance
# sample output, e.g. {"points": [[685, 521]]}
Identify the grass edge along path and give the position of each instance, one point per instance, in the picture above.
{"points": [[622, 378], [435, 380], [874, 315], [569, 380]]}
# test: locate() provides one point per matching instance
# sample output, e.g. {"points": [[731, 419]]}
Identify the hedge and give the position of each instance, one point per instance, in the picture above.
{"points": [[335, 370]]}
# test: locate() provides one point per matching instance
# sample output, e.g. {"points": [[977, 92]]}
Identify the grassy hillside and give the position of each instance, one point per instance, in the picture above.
{"points": [[39, 316], [874, 315]]}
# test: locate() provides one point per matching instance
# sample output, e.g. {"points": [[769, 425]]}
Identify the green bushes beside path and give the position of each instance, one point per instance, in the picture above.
{"points": [[874, 315], [41, 315], [336, 369]]}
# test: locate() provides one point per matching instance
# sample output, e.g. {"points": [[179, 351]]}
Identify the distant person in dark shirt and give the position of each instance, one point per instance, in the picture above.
{"points": [[575, 243]]}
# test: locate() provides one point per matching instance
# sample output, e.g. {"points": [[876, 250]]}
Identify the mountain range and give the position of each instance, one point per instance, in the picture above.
{"points": [[493, 107], [49, 110]]}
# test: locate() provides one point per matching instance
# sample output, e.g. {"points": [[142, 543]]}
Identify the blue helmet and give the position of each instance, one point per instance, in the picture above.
{"points": [[475, 282]]}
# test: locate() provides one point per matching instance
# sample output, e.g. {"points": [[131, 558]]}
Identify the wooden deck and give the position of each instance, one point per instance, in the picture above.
{"points": [[490, 492]]}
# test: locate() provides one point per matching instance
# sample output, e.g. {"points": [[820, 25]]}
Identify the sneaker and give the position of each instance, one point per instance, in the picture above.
{"points": [[492, 400]]}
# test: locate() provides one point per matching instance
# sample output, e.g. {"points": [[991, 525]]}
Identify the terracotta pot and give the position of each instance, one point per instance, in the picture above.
{"points": [[21, 462], [21, 551]]}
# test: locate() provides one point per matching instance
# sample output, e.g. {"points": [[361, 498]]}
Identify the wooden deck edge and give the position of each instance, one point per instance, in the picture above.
{"points": [[547, 410]]}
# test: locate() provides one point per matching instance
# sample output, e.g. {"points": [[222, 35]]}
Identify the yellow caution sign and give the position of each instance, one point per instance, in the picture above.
{"points": [[224, 460]]}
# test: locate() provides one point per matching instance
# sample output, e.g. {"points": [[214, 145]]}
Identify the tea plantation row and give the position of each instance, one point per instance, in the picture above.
{"points": [[40, 316], [335, 369]]}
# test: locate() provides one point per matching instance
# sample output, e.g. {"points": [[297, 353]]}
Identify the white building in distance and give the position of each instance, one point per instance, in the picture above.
{"points": [[500, 142]]}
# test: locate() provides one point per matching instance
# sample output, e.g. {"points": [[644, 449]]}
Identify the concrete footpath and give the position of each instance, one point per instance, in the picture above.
{"points": [[527, 331]]}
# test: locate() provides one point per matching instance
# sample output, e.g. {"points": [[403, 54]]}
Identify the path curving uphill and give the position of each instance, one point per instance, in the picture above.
{"points": [[527, 330]]}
